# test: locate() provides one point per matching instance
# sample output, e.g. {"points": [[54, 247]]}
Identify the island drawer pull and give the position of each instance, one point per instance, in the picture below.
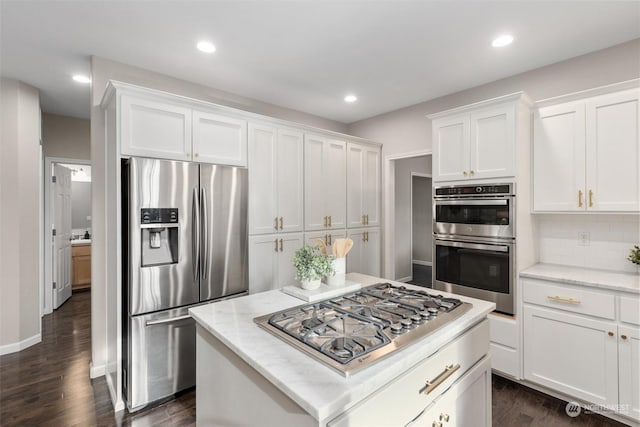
{"points": [[562, 299], [442, 377]]}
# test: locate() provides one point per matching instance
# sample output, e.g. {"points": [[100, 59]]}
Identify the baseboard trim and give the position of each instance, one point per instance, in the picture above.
{"points": [[19, 346], [419, 262], [96, 371], [405, 279], [118, 404]]}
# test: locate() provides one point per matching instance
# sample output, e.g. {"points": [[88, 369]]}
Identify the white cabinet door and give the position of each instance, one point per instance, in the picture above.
{"points": [[629, 367], [364, 257], [271, 261], [572, 354], [263, 263], [559, 158], [371, 188], [363, 185], [613, 152], [154, 129], [451, 148], [335, 180], [289, 181], [492, 143], [288, 244], [263, 175], [314, 185], [355, 185], [219, 139]]}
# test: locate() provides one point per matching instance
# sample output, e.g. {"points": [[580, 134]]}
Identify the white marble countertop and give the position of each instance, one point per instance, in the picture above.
{"points": [[625, 282], [78, 242], [318, 389]]}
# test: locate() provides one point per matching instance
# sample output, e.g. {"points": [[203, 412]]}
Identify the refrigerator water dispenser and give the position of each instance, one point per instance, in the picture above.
{"points": [[159, 237]]}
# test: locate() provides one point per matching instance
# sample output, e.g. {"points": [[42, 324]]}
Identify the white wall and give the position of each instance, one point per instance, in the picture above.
{"points": [[66, 137], [611, 238], [20, 163], [422, 235], [102, 71], [402, 226]]}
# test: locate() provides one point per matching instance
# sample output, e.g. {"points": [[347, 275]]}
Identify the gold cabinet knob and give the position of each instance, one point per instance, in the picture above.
{"points": [[464, 173], [471, 172], [444, 417], [624, 337], [610, 333]]}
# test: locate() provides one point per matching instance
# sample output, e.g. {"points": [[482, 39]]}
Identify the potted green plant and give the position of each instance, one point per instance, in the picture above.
{"points": [[634, 256], [311, 265]]}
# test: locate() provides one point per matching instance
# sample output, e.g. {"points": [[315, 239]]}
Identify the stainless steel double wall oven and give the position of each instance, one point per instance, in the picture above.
{"points": [[474, 242]]}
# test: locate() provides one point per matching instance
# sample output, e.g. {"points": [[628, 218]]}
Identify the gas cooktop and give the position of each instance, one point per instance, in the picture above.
{"points": [[352, 331]]}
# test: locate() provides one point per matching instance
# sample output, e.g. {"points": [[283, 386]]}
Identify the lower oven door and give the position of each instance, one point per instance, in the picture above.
{"points": [[162, 356], [478, 269]]}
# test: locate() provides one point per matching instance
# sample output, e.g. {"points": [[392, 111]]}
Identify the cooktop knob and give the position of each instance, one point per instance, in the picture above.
{"points": [[406, 323], [432, 310], [396, 328], [416, 318]]}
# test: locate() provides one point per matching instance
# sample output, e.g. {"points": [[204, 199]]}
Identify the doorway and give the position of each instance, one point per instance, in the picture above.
{"points": [[67, 230], [421, 229]]}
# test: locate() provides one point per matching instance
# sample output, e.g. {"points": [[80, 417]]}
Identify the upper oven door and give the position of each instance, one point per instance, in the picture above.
{"points": [[481, 217]]}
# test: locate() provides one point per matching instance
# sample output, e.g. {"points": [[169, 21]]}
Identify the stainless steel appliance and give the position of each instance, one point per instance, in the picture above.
{"points": [[474, 245], [355, 330], [475, 210], [184, 243]]}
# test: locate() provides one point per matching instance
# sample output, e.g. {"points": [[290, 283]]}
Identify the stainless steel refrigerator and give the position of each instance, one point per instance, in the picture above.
{"points": [[184, 243]]}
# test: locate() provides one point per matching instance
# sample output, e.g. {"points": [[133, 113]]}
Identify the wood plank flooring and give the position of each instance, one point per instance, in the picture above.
{"points": [[48, 385]]}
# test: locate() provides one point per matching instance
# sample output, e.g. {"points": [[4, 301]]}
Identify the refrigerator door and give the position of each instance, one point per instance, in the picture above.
{"points": [[162, 356], [224, 243], [163, 261]]}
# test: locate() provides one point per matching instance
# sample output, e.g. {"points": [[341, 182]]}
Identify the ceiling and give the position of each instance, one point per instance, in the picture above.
{"points": [[304, 55]]}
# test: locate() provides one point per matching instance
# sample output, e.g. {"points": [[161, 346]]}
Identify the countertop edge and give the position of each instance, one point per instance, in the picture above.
{"points": [[599, 279]]}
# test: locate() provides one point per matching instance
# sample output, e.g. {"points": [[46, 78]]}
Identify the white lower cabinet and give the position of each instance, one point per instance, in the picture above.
{"points": [[577, 343], [453, 382], [271, 261], [504, 347], [364, 256]]}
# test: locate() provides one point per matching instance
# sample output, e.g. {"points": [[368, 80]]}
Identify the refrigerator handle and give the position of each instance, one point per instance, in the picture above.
{"points": [[195, 234], [204, 218]]}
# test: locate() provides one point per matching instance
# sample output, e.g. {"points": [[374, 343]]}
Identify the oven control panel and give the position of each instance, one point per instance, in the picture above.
{"points": [[474, 190]]}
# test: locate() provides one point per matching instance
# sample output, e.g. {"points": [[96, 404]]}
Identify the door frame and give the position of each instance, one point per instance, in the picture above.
{"points": [[419, 175], [388, 246], [46, 294]]}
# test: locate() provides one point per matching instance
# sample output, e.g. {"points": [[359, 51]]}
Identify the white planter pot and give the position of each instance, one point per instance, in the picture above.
{"points": [[310, 284]]}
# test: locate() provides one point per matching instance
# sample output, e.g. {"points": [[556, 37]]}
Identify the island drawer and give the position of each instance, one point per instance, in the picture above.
{"points": [[569, 298], [421, 385]]}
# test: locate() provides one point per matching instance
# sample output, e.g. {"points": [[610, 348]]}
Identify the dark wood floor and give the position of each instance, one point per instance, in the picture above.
{"points": [[48, 385]]}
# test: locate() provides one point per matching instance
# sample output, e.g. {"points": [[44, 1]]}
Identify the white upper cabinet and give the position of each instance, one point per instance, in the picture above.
{"points": [[363, 185], [586, 155], [275, 180], [271, 261], [219, 139], [154, 129], [160, 126], [325, 183], [478, 141]]}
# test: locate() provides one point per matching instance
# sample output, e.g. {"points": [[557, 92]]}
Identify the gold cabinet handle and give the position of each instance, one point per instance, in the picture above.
{"points": [[276, 242], [590, 198], [330, 239], [364, 219], [442, 377], [281, 223], [471, 172], [624, 337], [367, 221], [196, 155], [276, 223], [444, 417], [325, 222], [367, 236], [464, 173], [436, 424], [610, 333], [329, 221], [579, 198], [563, 299], [281, 245]]}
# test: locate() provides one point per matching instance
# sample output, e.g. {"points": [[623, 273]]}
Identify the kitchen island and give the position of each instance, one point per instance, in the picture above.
{"points": [[247, 376]]}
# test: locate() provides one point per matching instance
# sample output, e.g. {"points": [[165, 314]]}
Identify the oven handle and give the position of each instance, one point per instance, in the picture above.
{"points": [[466, 245], [492, 202]]}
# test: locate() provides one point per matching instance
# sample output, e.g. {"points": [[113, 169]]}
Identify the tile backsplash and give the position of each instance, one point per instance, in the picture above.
{"points": [[589, 240]]}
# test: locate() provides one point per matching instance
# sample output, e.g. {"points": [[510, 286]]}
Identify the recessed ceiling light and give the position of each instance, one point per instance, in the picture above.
{"points": [[503, 40], [206, 47], [81, 79], [350, 98]]}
